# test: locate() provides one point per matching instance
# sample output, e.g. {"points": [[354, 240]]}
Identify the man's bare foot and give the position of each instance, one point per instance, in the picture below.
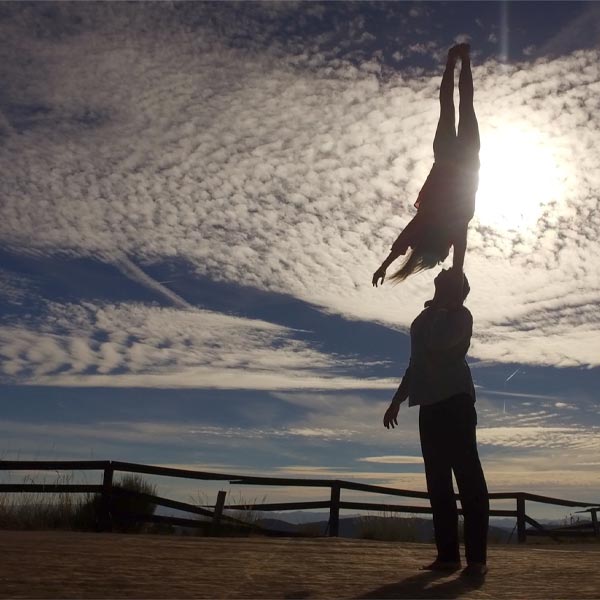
{"points": [[441, 565], [475, 570]]}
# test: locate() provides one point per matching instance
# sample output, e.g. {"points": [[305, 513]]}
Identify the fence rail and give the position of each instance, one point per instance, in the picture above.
{"points": [[52, 488], [108, 491]]}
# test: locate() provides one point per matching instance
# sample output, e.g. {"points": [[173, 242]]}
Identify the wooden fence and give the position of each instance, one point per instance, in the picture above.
{"points": [[219, 520]]}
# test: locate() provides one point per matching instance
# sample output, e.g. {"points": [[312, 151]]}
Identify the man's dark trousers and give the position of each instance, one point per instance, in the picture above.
{"points": [[448, 442]]}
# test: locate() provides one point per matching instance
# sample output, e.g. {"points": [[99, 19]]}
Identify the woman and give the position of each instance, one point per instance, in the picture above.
{"points": [[438, 380], [446, 202]]}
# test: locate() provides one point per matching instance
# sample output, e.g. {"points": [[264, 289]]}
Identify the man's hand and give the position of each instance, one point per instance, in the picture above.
{"points": [[391, 415], [379, 274]]}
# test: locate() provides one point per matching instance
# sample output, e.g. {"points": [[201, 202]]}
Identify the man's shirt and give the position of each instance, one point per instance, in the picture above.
{"points": [[438, 368]]}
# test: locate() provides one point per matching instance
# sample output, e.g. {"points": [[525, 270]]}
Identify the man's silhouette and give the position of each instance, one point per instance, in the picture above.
{"points": [[439, 380]]}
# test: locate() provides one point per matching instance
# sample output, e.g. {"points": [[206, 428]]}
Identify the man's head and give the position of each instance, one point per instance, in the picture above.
{"points": [[444, 285]]}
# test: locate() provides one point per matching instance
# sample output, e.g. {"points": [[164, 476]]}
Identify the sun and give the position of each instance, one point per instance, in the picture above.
{"points": [[521, 172]]}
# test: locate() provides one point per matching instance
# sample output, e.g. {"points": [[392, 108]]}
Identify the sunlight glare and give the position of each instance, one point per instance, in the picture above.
{"points": [[520, 174]]}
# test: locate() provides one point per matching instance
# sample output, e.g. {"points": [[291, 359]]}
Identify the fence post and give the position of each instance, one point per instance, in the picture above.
{"points": [[594, 513], [218, 511], [521, 524], [105, 520], [334, 510]]}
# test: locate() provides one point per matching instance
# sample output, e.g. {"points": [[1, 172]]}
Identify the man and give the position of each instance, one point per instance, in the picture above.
{"points": [[438, 379]]}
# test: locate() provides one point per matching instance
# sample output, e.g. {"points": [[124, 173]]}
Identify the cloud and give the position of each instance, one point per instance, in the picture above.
{"points": [[539, 437], [462, 38], [565, 405], [134, 345], [14, 289], [286, 171], [393, 460]]}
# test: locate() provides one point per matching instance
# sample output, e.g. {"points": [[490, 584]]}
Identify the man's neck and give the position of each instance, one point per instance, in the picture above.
{"points": [[436, 303]]}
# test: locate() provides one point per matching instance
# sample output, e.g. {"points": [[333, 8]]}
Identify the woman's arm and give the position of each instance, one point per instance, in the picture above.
{"points": [[458, 260], [460, 249], [380, 273], [399, 248]]}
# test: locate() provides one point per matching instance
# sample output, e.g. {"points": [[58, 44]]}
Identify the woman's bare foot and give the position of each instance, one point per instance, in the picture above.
{"points": [[454, 54], [463, 51]]}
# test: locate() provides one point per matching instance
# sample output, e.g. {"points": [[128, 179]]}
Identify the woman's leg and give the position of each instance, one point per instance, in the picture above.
{"points": [[445, 134], [468, 128], [468, 144]]}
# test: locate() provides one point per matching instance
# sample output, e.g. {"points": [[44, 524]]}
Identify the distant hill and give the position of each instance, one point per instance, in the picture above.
{"points": [[410, 529], [298, 517]]}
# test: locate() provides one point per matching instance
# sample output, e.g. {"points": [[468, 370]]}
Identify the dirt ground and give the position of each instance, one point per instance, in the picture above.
{"points": [[85, 565]]}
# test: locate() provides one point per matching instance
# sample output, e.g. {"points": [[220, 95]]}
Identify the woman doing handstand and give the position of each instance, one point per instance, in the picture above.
{"points": [[446, 202]]}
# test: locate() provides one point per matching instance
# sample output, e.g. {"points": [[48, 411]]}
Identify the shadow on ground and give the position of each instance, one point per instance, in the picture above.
{"points": [[426, 585]]}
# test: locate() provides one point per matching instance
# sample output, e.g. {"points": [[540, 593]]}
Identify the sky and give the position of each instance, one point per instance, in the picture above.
{"points": [[195, 196]]}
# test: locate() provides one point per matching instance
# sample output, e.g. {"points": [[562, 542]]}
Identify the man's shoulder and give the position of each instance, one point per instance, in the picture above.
{"points": [[426, 311], [455, 318], [467, 312], [464, 315]]}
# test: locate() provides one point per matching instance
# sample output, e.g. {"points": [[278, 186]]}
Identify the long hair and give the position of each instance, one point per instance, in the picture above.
{"points": [[425, 255]]}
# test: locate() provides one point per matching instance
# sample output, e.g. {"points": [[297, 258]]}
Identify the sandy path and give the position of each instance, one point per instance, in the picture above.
{"points": [[84, 565]]}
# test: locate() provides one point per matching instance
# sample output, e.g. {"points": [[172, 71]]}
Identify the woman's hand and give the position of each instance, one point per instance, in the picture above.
{"points": [[391, 415], [379, 274]]}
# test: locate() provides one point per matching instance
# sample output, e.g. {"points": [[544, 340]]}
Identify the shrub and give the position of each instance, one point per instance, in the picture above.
{"points": [[388, 528], [122, 504], [38, 510], [250, 518]]}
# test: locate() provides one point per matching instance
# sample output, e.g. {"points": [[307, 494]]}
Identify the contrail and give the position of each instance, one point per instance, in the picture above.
{"points": [[505, 381], [131, 270]]}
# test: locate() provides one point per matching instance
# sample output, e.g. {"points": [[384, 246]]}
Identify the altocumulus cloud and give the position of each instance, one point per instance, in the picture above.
{"points": [[136, 345], [286, 170], [540, 437]]}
